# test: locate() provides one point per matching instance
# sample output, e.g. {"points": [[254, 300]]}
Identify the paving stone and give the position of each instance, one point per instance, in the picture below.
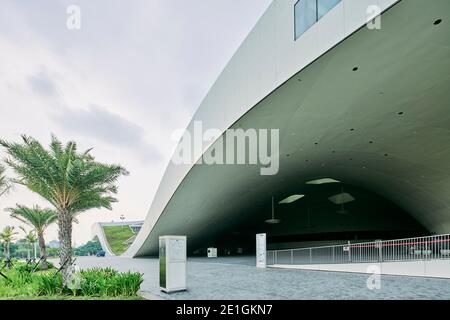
{"points": [[237, 278]]}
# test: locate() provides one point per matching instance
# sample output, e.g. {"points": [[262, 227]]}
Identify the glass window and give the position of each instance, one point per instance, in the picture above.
{"points": [[305, 16], [307, 12], [323, 6]]}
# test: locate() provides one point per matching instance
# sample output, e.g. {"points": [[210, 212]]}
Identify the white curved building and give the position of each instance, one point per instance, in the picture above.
{"points": [[98, 230], [362, 105]]}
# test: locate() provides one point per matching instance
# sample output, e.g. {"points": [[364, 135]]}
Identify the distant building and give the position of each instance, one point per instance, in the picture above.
{"points": [[53, 244]]}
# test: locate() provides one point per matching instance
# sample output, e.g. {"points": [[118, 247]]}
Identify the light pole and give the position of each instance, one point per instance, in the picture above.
{"points": [[122, 218]]}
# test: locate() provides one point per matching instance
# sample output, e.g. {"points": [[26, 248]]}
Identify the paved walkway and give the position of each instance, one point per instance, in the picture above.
{"points": [[237, 278]]}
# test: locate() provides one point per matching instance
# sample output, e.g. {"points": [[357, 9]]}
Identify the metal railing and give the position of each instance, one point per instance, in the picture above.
{"points": [[421, 248]]}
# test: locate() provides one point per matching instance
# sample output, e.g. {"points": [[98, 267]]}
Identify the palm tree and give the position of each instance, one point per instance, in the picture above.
{"points": [[31, 239], [4, 182], [7, 236], [72, 182], [39, 219]]}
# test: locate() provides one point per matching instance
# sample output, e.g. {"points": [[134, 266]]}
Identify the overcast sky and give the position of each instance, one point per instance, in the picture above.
{"points": [[135, 72]]}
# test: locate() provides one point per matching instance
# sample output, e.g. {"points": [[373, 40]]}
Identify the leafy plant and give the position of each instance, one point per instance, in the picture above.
{"points": [[96, 282], [72, 182], [39, 219], [49, 285], [7, 236], [5, 184], [109, 282], [31, 239]]}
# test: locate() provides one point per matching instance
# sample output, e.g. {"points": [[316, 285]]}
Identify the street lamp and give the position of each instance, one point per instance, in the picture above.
{"points": [[122, 218]]}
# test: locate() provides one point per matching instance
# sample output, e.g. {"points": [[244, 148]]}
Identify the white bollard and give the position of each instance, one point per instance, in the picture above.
{"points": [[261, 250]]}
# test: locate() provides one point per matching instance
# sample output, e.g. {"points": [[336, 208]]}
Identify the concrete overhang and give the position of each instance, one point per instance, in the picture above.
{"points": [[384, 127]]}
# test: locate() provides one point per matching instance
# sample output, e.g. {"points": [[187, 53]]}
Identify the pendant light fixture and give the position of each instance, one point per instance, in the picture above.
{"points": [[273, 220]]}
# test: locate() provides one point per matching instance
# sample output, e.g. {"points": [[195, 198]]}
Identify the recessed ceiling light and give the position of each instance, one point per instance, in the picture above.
{"points": [[355, 69], [438, 21], [291, 199], [323, 181], [400, 113], [352, 129], [341, 198]]}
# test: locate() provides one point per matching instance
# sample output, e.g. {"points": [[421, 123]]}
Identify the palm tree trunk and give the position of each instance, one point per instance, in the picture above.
{"points": [[8, 261], [65, 240], [44, 265]]}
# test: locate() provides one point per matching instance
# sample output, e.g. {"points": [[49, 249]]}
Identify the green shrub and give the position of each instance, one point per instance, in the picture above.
{"points": [[49, 284], [109, 282], [96, 282], [128, 284]]}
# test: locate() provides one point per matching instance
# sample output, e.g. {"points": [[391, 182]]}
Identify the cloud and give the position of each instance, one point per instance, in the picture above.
{"points": [[41, 84], [99, 123]]}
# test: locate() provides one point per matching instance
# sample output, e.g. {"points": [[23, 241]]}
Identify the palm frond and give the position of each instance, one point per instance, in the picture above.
{"points": [[72, 182]]}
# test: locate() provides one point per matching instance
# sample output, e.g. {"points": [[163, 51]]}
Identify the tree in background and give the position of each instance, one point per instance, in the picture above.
{"points": [[31, 239], [90, 248], [6, 237], [72, 182], [39, 219]]}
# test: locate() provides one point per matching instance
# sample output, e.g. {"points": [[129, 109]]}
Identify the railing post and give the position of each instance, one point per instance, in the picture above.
{"points": [[310, 255], [332, 260], [349, 253], [292, 256], [380, 249], [275, 257]]}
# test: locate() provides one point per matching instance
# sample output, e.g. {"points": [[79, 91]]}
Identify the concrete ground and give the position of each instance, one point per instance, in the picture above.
{"points": [[237, 278]]}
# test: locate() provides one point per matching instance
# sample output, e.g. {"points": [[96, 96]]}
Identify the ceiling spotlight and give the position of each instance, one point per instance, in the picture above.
{"points": [[341, 198], [291, 199]]}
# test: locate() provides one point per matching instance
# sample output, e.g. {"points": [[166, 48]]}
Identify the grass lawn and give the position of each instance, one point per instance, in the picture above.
{"points": [[70, 298], [116, 236]]}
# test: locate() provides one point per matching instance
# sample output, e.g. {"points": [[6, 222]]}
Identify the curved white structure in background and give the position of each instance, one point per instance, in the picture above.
{"points": [[99, 232], [310, 90]]}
